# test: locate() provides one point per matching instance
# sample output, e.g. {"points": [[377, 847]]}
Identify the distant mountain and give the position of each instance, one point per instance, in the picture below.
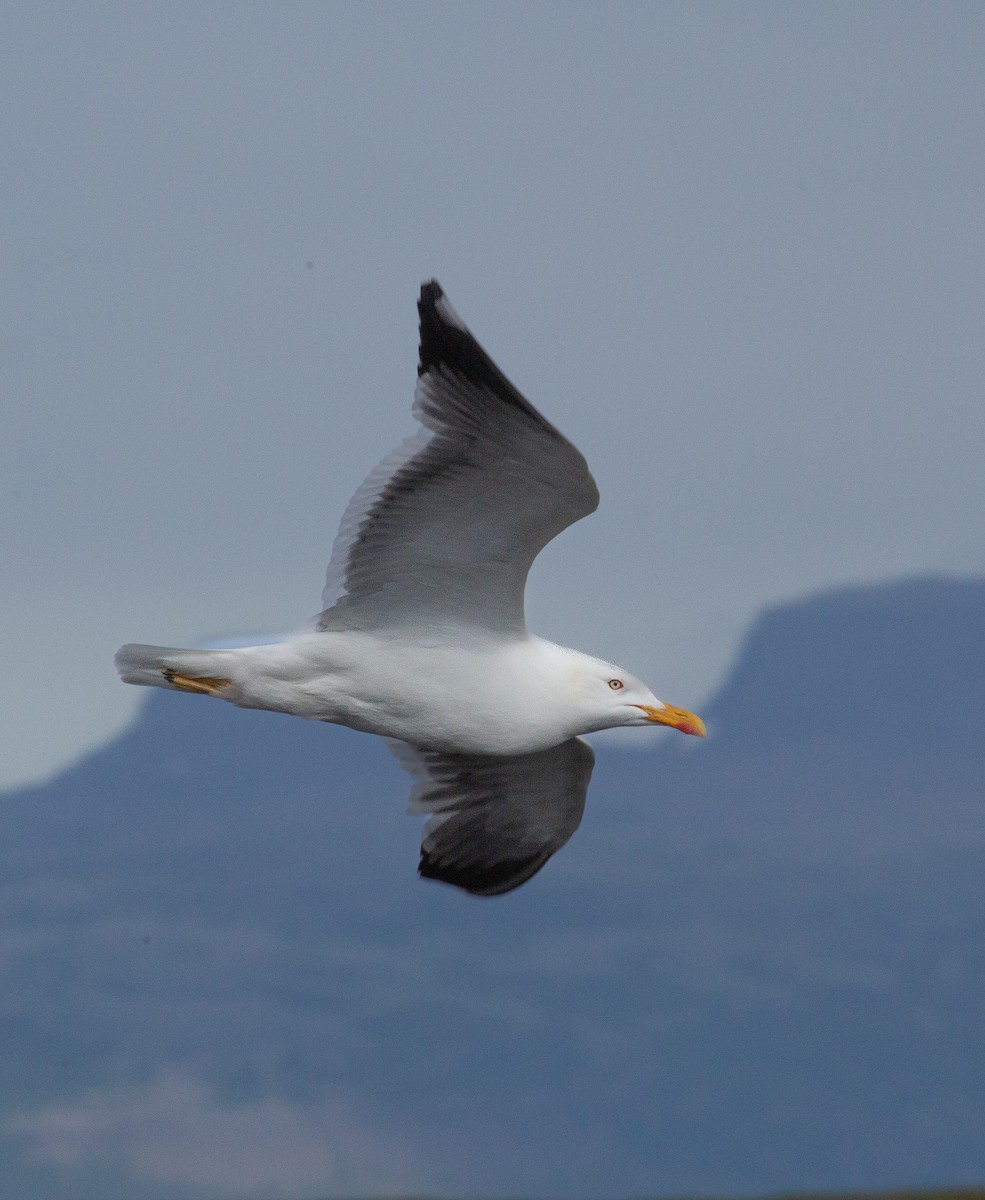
{"points": [[758, 967]]}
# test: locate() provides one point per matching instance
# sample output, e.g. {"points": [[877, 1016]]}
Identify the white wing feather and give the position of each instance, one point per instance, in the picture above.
{"points": [[444, 530]]}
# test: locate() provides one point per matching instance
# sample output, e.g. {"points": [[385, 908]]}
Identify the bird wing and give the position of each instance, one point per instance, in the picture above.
{"points": [[496, 819], [444, 530]]}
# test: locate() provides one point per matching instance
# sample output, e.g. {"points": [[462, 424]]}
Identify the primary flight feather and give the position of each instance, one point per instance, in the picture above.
{"points": [[422, 638]]}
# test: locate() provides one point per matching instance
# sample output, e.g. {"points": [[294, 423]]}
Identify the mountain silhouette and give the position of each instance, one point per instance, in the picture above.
{"points": [[759, 966]]}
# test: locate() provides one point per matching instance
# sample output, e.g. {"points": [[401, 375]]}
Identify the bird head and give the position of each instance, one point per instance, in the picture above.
{"points": [[615, 698]]}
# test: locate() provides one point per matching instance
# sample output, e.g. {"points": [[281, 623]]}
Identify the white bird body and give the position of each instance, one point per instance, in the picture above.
{"points": [[422, 639], [484, 696]]}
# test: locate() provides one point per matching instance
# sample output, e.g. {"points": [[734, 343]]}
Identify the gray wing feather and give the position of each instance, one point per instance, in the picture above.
{"points": [[445, 529], [495, 820]]}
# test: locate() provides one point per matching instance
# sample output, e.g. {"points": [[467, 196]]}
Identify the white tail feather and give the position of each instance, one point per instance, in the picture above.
{"points": [[145, 665]]}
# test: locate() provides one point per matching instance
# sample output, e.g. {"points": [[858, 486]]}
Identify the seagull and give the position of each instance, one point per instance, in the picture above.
{"points": [[422, 638]]}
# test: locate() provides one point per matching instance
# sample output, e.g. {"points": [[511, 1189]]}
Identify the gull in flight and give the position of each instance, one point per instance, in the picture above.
{"points": [[422, 638]]}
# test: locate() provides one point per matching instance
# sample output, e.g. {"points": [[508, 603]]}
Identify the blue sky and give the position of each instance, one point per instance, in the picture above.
{"points": [[735, 252]]}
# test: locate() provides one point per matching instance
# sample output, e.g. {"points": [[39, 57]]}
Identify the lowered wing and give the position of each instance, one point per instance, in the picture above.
{"points": [[496, 820]]}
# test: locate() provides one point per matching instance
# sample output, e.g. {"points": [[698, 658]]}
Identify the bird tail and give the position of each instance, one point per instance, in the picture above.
{"points": [[157, 666]]}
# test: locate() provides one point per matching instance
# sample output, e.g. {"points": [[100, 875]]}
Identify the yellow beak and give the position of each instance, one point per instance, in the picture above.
{"points": [[676, 718]]}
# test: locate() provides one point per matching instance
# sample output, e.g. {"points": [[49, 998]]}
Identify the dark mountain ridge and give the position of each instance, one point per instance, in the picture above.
{"points": [[878, 663], [757, 967]]}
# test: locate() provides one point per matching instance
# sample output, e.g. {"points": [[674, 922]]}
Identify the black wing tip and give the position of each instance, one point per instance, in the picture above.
{"points": [[444, 338], [447, 342], [492, 879], [431, 293]]}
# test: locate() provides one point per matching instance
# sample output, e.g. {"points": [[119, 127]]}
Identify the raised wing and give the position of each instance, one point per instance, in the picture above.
{"points": [[443, 532], [496, 820]]}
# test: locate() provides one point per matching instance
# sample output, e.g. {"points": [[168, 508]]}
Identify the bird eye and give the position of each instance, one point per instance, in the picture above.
{"points": [[616, 684]]}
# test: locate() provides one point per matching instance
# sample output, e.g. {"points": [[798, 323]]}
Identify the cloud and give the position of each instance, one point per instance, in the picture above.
{"points": [[175, 1130]]}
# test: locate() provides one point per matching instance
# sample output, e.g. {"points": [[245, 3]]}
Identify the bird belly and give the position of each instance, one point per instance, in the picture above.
{"points": [[434, 696], [450, 701]]}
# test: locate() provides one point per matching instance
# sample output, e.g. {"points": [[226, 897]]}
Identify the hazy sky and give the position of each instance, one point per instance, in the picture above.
{"points": [[735, 252]]}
